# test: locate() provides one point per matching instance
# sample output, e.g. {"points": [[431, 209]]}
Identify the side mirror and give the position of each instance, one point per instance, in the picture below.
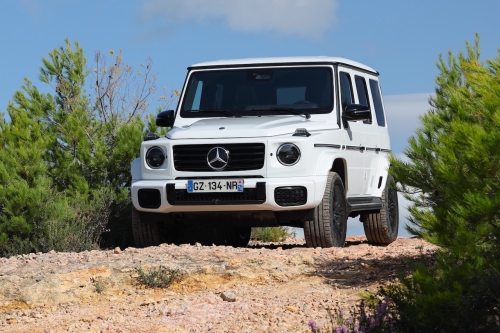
{"points": [[356, 112], [165, 118]]}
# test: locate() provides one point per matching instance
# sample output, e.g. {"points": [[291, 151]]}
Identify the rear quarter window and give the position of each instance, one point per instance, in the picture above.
{"points": [[377, 102]]}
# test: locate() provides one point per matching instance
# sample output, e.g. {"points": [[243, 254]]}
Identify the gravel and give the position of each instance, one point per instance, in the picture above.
{"points": [[266, 287]]}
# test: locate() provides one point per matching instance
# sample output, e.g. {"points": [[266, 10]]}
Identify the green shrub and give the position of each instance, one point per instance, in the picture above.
{"points": [[452, 176], [65, 156], [271, 234], [159, 277]]}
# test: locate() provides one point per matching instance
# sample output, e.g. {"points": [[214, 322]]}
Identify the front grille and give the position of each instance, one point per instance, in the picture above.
{"points": [[149, 198], [248, 196], [290, 196], [242, 156]]}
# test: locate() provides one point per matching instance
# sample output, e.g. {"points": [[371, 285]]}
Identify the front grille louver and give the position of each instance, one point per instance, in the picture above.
{"points": [[242, 156]]}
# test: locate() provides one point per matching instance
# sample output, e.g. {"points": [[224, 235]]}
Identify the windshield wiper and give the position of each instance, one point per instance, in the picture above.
{"points": [[291, 110], [226, 112]]}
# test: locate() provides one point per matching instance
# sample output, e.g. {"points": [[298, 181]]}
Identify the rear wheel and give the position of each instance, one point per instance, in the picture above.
{"points": [[236, 237], [329, 225], [382, 228]]}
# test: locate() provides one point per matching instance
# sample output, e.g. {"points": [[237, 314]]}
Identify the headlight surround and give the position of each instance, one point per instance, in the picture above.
{"points": [[288, 154], [155, 156]]}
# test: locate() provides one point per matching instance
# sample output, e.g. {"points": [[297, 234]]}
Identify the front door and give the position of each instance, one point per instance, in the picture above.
{"points": [[353, 138]]}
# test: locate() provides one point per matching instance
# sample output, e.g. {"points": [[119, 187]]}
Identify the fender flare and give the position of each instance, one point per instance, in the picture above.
{"points": [[326, 163], [135, 169]]}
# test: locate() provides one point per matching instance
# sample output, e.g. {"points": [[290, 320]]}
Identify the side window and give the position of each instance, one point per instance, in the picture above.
{"points": [[362, 93], [377, 102], [345, 90]]}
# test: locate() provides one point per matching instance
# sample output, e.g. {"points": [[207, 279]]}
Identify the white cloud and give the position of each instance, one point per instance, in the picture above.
{"points": [[306, 18]]}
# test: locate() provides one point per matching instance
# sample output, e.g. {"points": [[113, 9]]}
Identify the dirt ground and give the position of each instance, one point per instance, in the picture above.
{"points": [[266, 287]]}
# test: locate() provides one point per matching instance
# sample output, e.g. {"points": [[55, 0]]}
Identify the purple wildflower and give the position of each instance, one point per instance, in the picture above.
{"points": [[312, 325]]}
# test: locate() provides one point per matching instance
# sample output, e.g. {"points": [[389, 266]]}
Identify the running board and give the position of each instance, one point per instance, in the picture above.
{"points": [[364, 203]]}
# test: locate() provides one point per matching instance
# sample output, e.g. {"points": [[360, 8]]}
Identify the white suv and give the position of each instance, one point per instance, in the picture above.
{"points": [[299, 141]]}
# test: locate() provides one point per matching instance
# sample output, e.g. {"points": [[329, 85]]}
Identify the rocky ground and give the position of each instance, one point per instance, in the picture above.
{"points": [[275, 287]]}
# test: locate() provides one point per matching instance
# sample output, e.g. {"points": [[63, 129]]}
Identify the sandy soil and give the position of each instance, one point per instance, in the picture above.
{"points": [[275, 287]]}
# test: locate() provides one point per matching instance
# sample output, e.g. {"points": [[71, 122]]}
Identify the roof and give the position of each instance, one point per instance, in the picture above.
{"points": [[281, 60]]}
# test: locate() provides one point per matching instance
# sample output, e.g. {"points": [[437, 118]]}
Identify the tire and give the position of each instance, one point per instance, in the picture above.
{"points": [[145, 233], [236, 237], [329, 225], [382, 228]]}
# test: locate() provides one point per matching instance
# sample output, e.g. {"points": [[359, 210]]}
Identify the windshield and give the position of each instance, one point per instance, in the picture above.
{"points": [[258, 91]]}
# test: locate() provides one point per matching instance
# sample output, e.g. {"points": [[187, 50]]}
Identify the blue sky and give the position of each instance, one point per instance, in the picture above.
{"points": [[400, 39]]}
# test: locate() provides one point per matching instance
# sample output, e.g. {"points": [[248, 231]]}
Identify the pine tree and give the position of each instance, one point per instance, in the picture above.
{"points": [[452, 176], [65, 156]]}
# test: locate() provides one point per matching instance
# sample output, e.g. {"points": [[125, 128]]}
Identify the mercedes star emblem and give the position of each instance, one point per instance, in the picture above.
{"points": [[217, 158]]}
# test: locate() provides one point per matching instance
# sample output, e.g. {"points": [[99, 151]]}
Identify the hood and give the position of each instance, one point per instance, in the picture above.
{"points": [[245, 127]]}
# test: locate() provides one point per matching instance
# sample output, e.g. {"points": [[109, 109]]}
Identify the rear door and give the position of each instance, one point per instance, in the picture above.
{"points": [[371, 134]]}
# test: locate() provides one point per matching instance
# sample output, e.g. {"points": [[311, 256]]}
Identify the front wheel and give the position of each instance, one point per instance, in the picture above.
{"points": [[382, 228], [236, 237], [329, 225], [145, 233]]}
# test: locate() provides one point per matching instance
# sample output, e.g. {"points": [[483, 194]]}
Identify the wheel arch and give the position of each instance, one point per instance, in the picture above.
{"points": [[339, 166]]}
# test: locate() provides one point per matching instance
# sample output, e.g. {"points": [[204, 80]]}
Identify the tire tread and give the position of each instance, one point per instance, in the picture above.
{"points": [[318, 232], [145, 233], [376, 225]]}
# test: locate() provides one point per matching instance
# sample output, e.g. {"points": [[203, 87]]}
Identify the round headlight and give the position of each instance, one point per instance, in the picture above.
{"points": [[155, 157], [288, 154]]}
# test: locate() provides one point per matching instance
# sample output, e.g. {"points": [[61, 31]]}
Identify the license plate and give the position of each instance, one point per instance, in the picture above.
{"points": [[214, 185]]}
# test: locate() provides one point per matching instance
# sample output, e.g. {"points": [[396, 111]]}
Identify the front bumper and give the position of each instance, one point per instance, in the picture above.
{"points": [[261, 194]]}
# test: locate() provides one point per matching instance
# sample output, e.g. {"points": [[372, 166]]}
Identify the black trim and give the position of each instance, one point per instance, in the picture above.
{"points": [[364, 203], [336, 86], [151, 136], [285, 64], [218, 177], [360, 148], [302, 131], [258, 195], [287, 196], [149, 198], [354, 148], [326, 145], [261, 191], [242, 157]]}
